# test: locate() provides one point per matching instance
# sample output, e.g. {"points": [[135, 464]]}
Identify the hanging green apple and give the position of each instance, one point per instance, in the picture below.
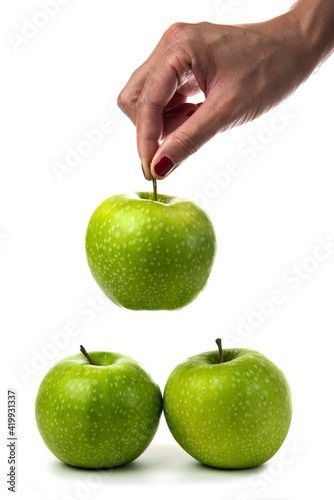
{"points": [[149, 251]]}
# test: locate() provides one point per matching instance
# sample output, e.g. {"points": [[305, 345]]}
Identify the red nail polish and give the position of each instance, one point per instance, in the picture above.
{"points": [[163, 165]]}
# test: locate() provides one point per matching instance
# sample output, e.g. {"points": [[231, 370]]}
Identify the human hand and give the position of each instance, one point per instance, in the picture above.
{"points": [[243, 71]]}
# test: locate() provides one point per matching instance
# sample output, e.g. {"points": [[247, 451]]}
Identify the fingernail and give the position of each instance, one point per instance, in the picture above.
{"points": [[163, 165], [145, 166], [190, 113]]}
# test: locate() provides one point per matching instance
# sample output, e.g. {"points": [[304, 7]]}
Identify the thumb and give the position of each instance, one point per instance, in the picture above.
{"points": [[187, 138]]}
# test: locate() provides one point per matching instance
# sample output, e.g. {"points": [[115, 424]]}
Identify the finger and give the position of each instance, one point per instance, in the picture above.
{"points": [[128, 97], [176, 100], [159, 88], [186, 108], [190, 87], [176, 116], [187, 138], [172, 122]]}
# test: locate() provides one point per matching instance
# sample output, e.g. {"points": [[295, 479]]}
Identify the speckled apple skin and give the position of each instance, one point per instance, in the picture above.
{"points": [[230, 415], [98, 416], [150, 255]]}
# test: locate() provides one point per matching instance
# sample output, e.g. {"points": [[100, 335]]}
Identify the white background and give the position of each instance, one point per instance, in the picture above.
{"points": [[268, 218]]}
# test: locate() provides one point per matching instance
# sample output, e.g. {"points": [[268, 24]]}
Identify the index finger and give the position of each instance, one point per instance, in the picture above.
{"points": [[158, 90], [128, 97]]}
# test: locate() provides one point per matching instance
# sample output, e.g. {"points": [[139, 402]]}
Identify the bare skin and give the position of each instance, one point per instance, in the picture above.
{"points": [[243, 71]]}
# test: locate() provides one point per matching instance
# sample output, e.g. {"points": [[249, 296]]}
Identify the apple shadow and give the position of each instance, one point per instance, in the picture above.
{"points": [[160, 463], [199, 472], [137, 471], [239, 472], [70, 470]]}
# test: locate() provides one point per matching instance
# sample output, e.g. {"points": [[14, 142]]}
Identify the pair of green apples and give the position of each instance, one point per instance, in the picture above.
{"points": [[227, 408]]}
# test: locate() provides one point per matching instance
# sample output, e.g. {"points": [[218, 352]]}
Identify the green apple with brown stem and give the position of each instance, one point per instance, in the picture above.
{"points": [[98, 409], [228, 408], [150, 251]]}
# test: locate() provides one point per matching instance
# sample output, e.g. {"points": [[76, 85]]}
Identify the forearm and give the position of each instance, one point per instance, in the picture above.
{"points": [[316, 21]]}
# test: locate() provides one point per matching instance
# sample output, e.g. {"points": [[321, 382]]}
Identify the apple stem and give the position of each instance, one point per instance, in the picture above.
{"points": [[155, 193], [221, 352], [87, 356]]}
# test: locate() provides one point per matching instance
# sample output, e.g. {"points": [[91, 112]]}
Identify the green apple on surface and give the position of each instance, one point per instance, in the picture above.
{"points": [[229, 408], [150, 254], [97, 415]]}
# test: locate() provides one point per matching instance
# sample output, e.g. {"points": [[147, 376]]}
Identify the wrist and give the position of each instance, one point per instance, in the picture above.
{"points": [[315, 21]]}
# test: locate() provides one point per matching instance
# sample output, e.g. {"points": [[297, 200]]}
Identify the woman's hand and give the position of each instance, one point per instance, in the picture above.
{"points": [[243, 71]]}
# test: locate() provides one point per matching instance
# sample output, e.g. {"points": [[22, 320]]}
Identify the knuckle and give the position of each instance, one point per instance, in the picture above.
{"points": [[204, 25], [175, 32], [122, 101], [185, 142], [127, 103]]}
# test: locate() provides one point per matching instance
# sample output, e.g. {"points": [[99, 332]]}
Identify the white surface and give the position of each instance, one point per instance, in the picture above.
{"points": [[268, 218]]}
